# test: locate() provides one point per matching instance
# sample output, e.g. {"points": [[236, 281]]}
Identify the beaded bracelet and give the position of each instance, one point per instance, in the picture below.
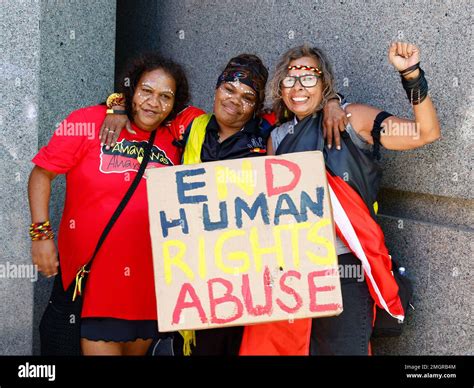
{"points": [[115, 99], [41, 231]]}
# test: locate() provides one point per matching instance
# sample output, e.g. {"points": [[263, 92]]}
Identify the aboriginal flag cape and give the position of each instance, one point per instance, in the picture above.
{"points": [[352, 202]]}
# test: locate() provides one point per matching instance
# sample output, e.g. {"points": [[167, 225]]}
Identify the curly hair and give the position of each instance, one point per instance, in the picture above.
{"points": [[281, 111], [149, 62], [258, 73]]}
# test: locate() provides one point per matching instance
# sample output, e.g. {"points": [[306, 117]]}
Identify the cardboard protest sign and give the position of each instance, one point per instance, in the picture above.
{"points": [[243, 241]]}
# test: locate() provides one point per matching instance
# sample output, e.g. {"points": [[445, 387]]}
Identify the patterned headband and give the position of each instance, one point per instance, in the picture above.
{"points": [[248, 75], [235, 74], [304, 67]]}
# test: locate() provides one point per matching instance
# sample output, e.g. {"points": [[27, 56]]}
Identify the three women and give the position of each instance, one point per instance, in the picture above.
{"points": [[302, 87]]}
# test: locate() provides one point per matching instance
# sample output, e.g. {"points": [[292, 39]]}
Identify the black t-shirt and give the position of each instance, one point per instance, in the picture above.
{"points": [[249, 142]]}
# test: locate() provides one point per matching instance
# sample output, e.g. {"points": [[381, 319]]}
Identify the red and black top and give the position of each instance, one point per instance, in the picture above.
{"points": [[121, 282]]}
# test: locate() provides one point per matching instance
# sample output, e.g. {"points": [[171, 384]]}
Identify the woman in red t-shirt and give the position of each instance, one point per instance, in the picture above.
{"points": [[119, 310]]}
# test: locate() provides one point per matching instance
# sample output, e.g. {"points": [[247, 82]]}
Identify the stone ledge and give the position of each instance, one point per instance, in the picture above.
{"points": [[451, 212]]}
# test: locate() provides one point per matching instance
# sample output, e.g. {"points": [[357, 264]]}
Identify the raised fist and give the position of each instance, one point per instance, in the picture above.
{"points": [[403, 55]]}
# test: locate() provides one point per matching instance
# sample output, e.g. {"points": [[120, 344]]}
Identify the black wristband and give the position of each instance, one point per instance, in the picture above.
{"points": [[416, 89]]}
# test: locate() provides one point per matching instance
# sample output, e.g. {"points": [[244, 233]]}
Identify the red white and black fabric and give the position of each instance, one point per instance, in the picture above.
{"points": [[362, 235]]}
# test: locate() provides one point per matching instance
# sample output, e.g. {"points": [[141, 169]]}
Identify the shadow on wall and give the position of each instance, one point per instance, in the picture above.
{"points": [[137, 32]]}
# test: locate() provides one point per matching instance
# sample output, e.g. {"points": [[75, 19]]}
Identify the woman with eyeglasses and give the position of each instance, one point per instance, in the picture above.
{"points": [[237, 128], [302, 83]]}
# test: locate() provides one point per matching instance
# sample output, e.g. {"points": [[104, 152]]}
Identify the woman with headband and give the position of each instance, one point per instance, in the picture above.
{"points": [[302, 83]]}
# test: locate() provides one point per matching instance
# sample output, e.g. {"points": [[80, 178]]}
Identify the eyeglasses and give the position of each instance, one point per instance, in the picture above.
{"points": [[307, 81]]}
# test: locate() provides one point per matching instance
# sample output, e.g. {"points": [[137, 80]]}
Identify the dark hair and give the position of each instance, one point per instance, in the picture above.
{"points": [[258, 74], [149, 62]]}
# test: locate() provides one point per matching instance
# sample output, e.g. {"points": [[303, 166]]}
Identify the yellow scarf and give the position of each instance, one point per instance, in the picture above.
{"points": [[192, 155]]}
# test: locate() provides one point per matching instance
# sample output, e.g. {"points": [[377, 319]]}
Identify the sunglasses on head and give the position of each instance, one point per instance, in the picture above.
{"points": [[236, 74]]}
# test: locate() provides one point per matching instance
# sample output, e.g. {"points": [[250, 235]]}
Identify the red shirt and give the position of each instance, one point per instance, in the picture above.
{"points": [[121, 281]]}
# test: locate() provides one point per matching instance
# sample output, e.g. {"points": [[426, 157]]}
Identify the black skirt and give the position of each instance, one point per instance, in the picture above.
{"points": [[118, 330]]}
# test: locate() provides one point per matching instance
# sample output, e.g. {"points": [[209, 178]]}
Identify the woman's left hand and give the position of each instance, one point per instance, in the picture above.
{"points": [[111, 128], [403, 55]]}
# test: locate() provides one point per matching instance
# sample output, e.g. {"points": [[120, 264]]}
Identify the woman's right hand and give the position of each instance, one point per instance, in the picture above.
{"points": [[45, 255], [111, 128], [402, 55]]}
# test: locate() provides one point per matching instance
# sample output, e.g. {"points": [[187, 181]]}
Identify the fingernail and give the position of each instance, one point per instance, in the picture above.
{"points": [[107, 148], [338, 148], [112, 144], [329, 146], [101, 144]]}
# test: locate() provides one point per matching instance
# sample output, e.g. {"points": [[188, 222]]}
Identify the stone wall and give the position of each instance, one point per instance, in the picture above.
{"points": [[57, 56], [427, 203]]}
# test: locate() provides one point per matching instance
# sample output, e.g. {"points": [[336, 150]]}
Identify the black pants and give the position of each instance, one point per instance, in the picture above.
{"points": [[348, 333], [213, 342]]}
